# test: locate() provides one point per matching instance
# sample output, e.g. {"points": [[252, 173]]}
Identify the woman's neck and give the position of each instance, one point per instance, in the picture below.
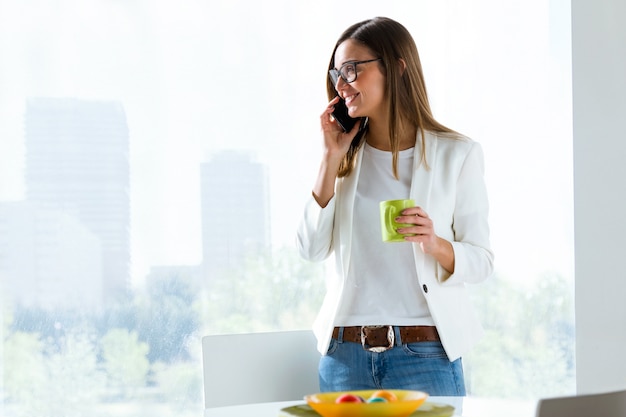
{"points": [[378, 136]]}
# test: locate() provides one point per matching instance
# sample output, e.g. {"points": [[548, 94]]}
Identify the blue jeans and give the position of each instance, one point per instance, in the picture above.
{"points": [[422, 366]]}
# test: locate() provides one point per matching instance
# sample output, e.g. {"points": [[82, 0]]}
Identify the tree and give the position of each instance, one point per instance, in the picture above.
{"points": [[74, 369], [270, 291], [528, 348], [39, 375], [167, 317], [125, 361], [180, 384], [24, 367]]}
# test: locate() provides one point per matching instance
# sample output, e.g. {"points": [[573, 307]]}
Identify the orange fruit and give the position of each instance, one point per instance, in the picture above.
{"points": [[387, 395]]}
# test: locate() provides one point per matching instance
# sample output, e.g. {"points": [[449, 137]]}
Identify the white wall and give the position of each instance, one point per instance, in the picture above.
{"points": [[599, 97]]}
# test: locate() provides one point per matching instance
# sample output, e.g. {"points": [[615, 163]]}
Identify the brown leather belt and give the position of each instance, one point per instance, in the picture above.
{"points": [[381, 338]]}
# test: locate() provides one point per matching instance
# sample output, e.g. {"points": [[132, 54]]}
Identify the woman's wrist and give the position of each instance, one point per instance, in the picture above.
{"points": [[444, 254]]}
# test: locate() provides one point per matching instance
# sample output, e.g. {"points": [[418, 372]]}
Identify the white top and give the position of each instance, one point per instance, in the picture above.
{"points": [[382, 286]]}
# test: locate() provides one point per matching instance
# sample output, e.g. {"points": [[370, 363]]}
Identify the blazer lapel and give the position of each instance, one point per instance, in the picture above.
{"points": [[421, 185], [422, 182], [345, 211]]}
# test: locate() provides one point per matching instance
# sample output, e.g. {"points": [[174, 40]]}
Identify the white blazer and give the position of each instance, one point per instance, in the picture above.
{"points": [[452, 191]]}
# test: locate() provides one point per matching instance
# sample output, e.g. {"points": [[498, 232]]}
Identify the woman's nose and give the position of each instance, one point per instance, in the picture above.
{"points": [[340, 83]]}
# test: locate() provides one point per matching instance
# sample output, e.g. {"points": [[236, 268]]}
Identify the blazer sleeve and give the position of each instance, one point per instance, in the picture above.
{"points": [[473, 257], [315, 232]]}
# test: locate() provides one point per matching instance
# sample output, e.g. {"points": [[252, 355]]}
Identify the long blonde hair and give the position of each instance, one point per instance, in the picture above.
{"points": [[405, 87]]}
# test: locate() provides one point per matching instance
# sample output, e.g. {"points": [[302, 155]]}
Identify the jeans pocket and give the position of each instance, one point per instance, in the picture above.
{"points": [[332, 347], [425, 350]]}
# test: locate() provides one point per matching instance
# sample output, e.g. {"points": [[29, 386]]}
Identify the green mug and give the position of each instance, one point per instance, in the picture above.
{"points": [[389, 210]]}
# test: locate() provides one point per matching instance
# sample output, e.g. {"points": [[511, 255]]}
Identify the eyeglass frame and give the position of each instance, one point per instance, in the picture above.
{"points": [[334, 74]]}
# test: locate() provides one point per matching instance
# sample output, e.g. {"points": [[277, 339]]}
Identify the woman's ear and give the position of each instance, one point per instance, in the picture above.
{"points": [[402, 63]]}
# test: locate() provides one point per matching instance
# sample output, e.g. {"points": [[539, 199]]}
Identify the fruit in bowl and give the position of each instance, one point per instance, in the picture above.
{"points": [[384, 394], [349, 398], [366, 403]]}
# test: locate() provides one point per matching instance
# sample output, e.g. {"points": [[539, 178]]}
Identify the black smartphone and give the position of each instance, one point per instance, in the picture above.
{"points": [[341, 115]]}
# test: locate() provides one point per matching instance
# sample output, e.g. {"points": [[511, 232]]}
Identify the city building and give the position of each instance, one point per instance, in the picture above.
{"points": [[77, 162], [235, 211], [48, 259]]}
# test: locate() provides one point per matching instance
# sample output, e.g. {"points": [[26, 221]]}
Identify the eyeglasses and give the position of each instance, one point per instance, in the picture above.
{"points": [[348, 71]]}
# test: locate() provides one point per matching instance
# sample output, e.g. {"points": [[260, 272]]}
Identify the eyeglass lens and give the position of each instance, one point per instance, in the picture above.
{"points": [[347, 72]]}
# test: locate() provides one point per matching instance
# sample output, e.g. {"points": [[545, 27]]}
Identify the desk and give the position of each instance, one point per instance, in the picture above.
{"points": [[464, 406]]}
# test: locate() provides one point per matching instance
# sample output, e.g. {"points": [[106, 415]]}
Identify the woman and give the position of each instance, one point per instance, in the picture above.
{"points": [[396, 315]]}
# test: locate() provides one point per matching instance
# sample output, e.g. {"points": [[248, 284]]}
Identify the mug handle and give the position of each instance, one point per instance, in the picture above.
{"points": [[389, 215]]}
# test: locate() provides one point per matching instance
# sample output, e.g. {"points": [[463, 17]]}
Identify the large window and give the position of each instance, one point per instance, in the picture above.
{"points": [[155, 157]]}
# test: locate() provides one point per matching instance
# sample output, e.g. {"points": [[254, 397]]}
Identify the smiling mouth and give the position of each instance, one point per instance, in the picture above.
{"points": [[349, 98]]}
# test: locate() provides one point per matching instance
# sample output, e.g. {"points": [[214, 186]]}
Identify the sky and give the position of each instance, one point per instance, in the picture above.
{"points": [[197, 76]]}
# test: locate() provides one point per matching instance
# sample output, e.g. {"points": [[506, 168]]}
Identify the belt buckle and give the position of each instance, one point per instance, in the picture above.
{"points": [[391, 337]]}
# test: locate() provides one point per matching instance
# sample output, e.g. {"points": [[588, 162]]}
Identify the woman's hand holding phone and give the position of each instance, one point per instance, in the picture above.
{"points": [[336, 145], [336, 140]]}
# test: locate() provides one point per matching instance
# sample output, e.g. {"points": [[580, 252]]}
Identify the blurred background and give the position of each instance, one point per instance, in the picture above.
{"points": [[155, 157]]}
